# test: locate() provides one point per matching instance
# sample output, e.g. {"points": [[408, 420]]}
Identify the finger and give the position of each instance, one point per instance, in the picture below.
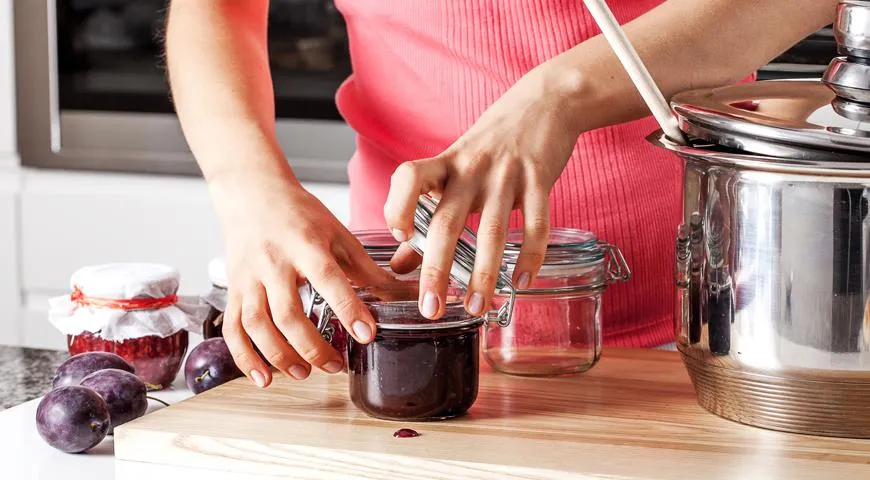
{"points": [[240, 345], [409, 181], [357, 264], [405, 260], [444, 231], [257, 322], [309, 347], [330, 281], [536, 235], [491, 238]]}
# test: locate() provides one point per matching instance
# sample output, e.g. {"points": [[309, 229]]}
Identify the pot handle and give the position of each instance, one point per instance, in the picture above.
{"points": [[684, 257]]}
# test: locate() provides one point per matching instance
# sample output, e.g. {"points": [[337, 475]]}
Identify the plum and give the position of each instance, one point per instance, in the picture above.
{"points": [[72, 419], [77, 367], [210, 364], [124, 393]]}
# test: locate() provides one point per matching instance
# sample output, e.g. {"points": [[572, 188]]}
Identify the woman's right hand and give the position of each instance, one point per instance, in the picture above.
{"points": [[277, 236]]}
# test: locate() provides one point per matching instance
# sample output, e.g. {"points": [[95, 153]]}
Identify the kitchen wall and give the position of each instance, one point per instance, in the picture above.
{"points": [[52, 222]]}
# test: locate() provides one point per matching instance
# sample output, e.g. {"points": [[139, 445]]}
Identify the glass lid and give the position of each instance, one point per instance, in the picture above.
{"points": [[565, 246], [793, 119], [379, 244]]}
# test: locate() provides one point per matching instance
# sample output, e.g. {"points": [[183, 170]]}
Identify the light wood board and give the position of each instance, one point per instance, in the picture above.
{"points": [[632, 416]]}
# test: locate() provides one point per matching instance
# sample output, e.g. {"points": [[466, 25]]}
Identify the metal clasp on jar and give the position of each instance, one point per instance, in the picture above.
{"points": [[616, 267], [323, 326]]}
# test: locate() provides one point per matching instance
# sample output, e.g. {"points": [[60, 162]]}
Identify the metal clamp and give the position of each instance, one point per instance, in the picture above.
{"points": [[326, 329], [616, 267]]}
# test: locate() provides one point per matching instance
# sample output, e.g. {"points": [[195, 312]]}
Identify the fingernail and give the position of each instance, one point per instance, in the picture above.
{"points": [[524, 281], [258, 378], [362, 330], [430, 305], [476, 303], [332, 366], [298, 372], [399, 235]]}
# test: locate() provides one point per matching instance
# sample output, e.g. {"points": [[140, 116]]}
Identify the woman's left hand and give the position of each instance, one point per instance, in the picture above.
{"points": [[510, 158]]}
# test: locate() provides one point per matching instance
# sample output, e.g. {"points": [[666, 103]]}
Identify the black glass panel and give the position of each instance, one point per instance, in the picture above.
{"points": [[109, 56]]}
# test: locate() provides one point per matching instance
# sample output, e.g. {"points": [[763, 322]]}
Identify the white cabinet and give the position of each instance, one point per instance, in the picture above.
{"points": [[68, 220]]}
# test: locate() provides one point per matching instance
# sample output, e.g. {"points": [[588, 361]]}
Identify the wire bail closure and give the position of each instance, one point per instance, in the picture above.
{"points": [[323, 326]]}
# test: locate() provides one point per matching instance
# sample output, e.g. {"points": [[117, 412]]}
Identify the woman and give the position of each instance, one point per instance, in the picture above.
{"points": [[496, 106]]}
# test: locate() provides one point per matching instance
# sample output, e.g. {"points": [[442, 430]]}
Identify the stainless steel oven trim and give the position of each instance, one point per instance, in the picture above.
{"points": [[317, 150]]}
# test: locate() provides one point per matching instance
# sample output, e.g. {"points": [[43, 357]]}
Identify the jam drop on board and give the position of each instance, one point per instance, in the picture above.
{"points": [[406, 433]]}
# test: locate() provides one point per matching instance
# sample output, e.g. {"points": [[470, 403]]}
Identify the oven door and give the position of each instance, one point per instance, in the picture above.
{"points": [[92, 94]]}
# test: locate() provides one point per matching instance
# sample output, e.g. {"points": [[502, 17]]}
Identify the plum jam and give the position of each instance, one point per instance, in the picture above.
{"points": [[216, 299], [416, 368], [132, 310], [156, 360]]}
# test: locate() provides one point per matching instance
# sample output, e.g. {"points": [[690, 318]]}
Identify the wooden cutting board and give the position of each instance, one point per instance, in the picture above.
{"points": [[632, 416]]}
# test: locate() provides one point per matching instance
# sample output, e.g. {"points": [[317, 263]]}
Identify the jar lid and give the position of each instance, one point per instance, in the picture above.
{"points": [[789, 119], [217, 272], [126, 281], [565, 246], [379, 244], [463, 256]]}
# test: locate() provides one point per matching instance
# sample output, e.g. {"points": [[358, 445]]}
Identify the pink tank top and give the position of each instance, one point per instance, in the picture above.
{"points": [[424, 70]]}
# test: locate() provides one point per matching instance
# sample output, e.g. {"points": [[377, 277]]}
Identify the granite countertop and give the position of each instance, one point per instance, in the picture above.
{"points": [[26, 373]]}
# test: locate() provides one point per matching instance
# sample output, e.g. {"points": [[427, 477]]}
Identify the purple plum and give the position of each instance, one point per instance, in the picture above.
{"points": [[210, 364], [77, 367], [72, 419], [124, 393]]}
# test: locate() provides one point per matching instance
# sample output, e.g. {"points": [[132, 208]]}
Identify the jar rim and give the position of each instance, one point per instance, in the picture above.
{"points": [[404, 313], [565, 246]]}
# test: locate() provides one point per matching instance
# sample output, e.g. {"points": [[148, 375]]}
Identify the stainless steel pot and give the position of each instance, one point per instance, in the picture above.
{"points": [[773, 253]]}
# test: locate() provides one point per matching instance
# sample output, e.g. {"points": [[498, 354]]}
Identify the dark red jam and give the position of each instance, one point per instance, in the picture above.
{"points": [[156, 360], [415, 374], [406, 433], [213, 324]]}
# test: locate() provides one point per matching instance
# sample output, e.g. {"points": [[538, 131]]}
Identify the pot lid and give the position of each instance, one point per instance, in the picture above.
{"points": [[793, 119]]}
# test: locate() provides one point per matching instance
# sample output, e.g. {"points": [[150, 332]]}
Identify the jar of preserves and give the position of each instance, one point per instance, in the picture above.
{"points": [[132, 310], [417, 368], [556, 324], [216, 299]]}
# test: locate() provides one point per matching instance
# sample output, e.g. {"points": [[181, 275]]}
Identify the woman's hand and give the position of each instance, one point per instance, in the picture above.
{"points": [[510, 158], [277, 236]]}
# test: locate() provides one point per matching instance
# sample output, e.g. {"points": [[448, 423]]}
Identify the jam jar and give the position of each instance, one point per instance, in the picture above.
{"points": [[415, 369], [216, 299], [556, 323], [132, 310]]}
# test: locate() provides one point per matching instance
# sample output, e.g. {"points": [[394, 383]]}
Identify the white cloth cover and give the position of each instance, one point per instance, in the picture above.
{"points": [[125, 281]]}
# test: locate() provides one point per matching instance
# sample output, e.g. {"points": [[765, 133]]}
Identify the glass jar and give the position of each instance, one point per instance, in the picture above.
{"points": [[556, 323], [216, 299], [415, 368], [132, 310]]}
